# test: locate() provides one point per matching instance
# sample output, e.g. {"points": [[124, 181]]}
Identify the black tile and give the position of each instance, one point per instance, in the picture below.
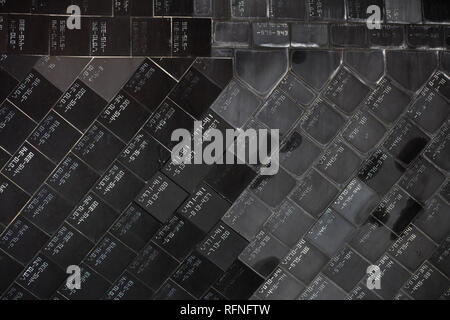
{"points": [[326, 9], [280, 286], [135, 227], [174, 66], [4, 157], [147, 77], [109, 257], [66, 42], [67, 247], [54, 137], [430, 180], [10, 270], [322, 122], [213, 295], [35, 95], [270, 35], [304, 261], [171, 291], [222, 246], [309, 35], [289, 223], [80, 105], [220, 71], [440, 258], [28, 168], [387, 101], [17, 293], [295, 89], [238, 282], [12, 199], [18, 65], [161, 197], [92, 217], [204, 208], [127, 287], [368, 64], [273, 189], [110, 36], [314, 193], [346, 269], [397, 210], [124, 116], [153, 266], [133, 8], [16, 7], [28, 34], [387, 36], [249, 8], [433, 219], [330, 232], [338, 162], [8, 84], [118, 186], [380, 171], [42, 277], [173, 8], [72, 178], [426, 284], [151, 37], [191, 37], [343, 35], [406, 141], [399, 11], [264, 253], [322, 289], [93, 286], [357, 9], [98, 147], [178, 237], [15, 127], [425, 36], [440, 82], [285, 9], [196, 274], [47, 209], [22, 240], [195, 93], [436, 11]]}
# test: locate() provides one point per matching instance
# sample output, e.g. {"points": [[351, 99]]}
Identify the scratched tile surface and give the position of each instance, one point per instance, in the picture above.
{"points": [[86, 178]]}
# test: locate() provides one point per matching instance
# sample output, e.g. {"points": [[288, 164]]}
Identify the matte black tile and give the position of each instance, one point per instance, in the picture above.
{"points": [[399, 11], [109, 257], [357, 9], [440, 258], [80, 105], [178, 237], [8, 84], [247, 215], [46, 209], [406, 141], [191, 37], [220, 71], [430, 180], [118, 186], [12, 199], [222, 246], [250, 8], [72, 178], [279, 112], [380, 171], [22, 240], [18, 65], [322, 122], [171, 291], [343, 35], [88, 7], [304, 261], [196, 274], [289, 223], [430, 110], [93, 286], [153, 266], [315, 67], [28, 34], [124, 116], [264, 253], [28, 168], [326, 9], [92, 217], [15, 127], [161, 197], [346, 269], [213, 295], [322, 289], [66, 42], [127, 287], [440, 82], [397, 210], [35, 95], [98, 147], [110, 36], [387, 101], [433, 220], [176, 67], [356, 202], [309, 35], [285, 9], [173, 8], [425, 36], [295, 89], [330, 232], [204, 208], [151, 36], [67, 247], [135, 227], [17, 293], [42, 277], [10, 270], [426, 284], [364, 131], [368, 64], [16, 7], [4, 157], [338, 162], [412, 248], [167, 118], [314, 193], [133, 8], [436, 11], [273, 189], [280, 286], [54, 137], [238, 282], [270, 35], [361, 292]]}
